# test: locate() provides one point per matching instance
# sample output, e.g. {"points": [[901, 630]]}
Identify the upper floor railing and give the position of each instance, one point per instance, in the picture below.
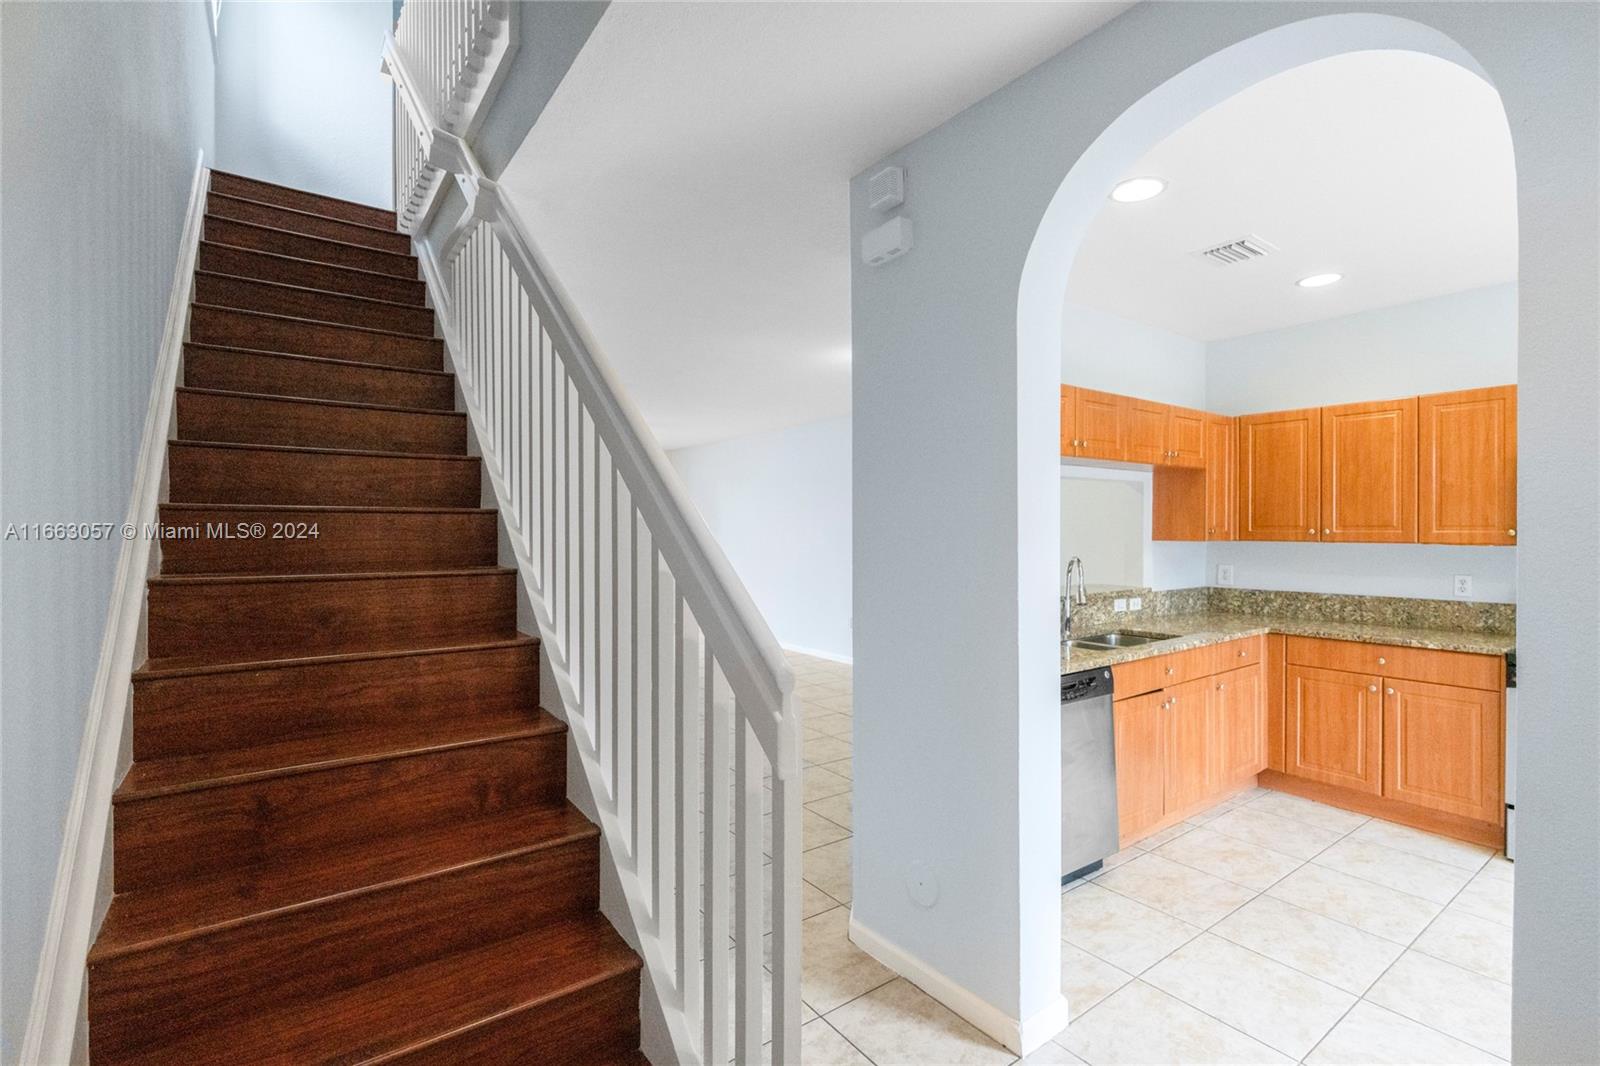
{"points": [[677, 695]]}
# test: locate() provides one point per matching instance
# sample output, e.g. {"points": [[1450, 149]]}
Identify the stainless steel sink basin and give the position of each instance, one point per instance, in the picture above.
{"points": [[1107, 641]]}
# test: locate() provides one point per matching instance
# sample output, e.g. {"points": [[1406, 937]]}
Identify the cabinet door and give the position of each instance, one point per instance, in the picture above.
{"points": [[1241, 724], [1102, 425], [1369, 472], [1442, 748], [1147, 432], [1138, 725], [1069, 420], [1190, 748], [1186, 437], [1467, 467], [1332, 725], [1220, 497], [1280, 473]]}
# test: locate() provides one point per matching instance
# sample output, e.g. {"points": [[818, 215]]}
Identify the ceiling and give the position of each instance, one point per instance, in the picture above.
{"points": [[696, 202], [1392, 168]]}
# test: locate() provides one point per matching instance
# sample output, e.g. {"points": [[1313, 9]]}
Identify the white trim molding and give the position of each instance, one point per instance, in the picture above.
{"points": [[1022, 1036], [59, 984]]}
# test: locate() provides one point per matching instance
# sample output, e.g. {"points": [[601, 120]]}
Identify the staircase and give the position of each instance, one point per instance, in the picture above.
{"points": [[344, 836]]}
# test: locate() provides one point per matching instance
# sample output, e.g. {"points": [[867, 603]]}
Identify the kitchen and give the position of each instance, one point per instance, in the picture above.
{"points": [[1289, 492]]}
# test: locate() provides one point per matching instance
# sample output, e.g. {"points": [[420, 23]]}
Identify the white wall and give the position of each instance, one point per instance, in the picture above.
{"points": [[1103, 524], [1464, 340], [779, 504], [105, 108], [299, 97], [1424, 571], [954, 427], [1112, 354]]}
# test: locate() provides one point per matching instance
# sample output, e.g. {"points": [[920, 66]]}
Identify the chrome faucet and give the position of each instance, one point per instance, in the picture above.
{"points": [[1070, 600]]}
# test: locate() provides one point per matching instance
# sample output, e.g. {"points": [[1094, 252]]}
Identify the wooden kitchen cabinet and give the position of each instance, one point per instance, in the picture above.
{"points": [[1369, 472], [1442, 748], [1467, 467], [1186, 438], [1139, 728], [1280, 475], [1220, 476], [1333, 727], [1239, 723], [1147, 431], [1191, 745], [1102, 419], [1069, 420]]}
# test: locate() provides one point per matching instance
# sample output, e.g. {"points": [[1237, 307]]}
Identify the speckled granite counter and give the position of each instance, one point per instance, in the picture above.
{"points": [[1199, 630]]}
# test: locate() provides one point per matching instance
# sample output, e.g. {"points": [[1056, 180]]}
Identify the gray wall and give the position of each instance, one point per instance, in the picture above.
{"points": [[955, 433], [779, 504], [300, 100], [105, 108]]}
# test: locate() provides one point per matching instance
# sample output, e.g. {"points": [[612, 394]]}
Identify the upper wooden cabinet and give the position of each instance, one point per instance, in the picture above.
{"points": [[1369, 472], [1186, 439], [1147, 431], [1220, 509], [1069, 420], [1467, 467], [1102, 425], [1280, 475]]}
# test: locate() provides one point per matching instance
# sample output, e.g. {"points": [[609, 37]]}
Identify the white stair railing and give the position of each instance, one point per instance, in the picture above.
{"points": [[677, 695], [457, 51]]}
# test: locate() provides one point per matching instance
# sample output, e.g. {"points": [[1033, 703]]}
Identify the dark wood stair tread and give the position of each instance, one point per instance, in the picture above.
{"points": [[245, 292], [398, 257], [232, 184], [319, 401], [413, 1007], [302, 448], [152, 669], [311, 273], [144, 918], [291, 755], [387, 234]]}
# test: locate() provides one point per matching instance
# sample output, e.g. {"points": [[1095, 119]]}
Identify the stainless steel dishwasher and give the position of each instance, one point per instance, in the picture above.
{"points": [[1088, 773]]}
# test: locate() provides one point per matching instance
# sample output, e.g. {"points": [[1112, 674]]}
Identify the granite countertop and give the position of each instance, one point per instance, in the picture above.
{"points": [[1199, 630]]}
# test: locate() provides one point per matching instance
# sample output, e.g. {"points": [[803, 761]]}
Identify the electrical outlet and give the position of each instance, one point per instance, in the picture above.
{"points": [[1463, 586], [1119, 604], [1135, 602], [1225, 574]]}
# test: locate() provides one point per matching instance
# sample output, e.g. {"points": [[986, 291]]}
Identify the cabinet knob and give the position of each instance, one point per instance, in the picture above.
{"points": [[1389, 691], [1243, 653], [1382, 661], [1169, 671], [1511, 532], [1327, 532], [1221, 685], [1312, 532], [1372, 688]]}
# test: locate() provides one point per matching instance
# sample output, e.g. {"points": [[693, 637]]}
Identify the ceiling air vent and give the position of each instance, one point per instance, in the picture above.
{"points": [[1243, 250]]}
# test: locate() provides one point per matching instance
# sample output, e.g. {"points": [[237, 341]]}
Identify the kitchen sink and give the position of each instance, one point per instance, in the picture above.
{"points": [[1120, 639]]}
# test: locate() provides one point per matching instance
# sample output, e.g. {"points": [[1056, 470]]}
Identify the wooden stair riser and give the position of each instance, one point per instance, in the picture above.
{"points": [[312, 225], [248, 263], [196, 713], [249, 294], [245, 419], [225, 621], [347, 542], [275, 960], [231, 328], [201, 473], [300, 246], [268, 193], [561, 1030], [310, 377], [167, 838]]}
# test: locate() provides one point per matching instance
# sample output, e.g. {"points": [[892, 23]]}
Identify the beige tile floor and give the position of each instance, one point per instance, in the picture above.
{"points": [[1267, 929]]}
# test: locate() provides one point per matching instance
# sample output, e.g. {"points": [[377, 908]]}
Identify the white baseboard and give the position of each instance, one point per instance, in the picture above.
{"points": [[815, 654], [58, 986], [1021, 1036]]}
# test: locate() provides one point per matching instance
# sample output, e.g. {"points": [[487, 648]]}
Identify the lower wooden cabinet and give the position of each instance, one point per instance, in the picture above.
{"points": [[1140, 731], [1442, 748], [1332, 726], [1185, 745]]}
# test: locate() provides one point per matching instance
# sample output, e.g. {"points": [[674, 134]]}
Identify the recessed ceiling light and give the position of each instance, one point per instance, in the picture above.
{"points": [[1317, 281], [1135, 189]]}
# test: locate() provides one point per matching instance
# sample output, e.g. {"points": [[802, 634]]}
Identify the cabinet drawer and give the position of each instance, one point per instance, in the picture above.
{"points": [[1247, 651], [1160, 671], [1413, 664]]}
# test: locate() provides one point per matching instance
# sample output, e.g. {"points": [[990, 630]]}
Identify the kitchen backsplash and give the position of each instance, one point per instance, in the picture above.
{"points": [[1463, 615]]}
